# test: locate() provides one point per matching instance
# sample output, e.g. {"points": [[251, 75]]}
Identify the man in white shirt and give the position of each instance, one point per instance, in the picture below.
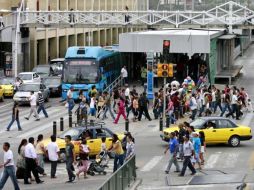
{"points": [[31, 162], [124, 74], [70, 100], [234, 102], [127, 92], [193, 106], [33, 104], [9, 167], [53, 155]]}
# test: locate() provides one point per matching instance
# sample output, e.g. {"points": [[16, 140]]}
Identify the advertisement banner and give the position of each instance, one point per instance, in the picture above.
{"points": [[150, 84]]}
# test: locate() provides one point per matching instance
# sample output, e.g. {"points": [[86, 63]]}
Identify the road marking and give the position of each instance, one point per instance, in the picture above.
{"points": [[151, 164], [247, 119], [39, 128], [6, 105], [212, 161], [231, 160]]}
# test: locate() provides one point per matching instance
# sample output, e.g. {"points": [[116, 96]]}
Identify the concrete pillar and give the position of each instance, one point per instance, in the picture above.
{"points": [[63, 5], [43, 4], [54, 5], [115, 36], [72, 41], [89, 5], [33, 48], [80, 5], [31, 4]]}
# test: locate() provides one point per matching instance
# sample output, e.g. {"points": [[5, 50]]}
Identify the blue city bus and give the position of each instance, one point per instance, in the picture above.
{"points": [[84, 67]]}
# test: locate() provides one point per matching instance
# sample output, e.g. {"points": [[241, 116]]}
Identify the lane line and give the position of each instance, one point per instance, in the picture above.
{"points": [[251, 161], [151, 164], [210, 163], [39, 128], [231, 160]]}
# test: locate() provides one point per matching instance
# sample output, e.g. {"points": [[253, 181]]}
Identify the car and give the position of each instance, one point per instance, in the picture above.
{"points": [[95, 132], [54, 85], [24, 92], [7, 85], [28, 77], [1, 94], [44, 70], [217, 130]]}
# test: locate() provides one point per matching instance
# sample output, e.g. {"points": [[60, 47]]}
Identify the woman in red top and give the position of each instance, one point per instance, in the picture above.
{"points": [[121, 110]]}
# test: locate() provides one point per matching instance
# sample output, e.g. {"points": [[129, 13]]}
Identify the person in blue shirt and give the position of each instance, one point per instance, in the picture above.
{"points": [[197, 148], [173, 148]]}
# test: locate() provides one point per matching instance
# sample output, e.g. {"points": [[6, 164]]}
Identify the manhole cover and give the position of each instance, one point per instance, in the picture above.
{"points": [[217, 179]]}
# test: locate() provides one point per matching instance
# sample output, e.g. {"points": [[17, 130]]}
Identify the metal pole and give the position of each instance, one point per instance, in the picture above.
{"points": [[54, 128], [127, 125], [164, 101], [70, 120], [61, 124], [161, 124], [167, 121]]}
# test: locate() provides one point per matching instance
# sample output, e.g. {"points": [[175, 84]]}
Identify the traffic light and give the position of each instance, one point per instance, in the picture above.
{"points": [[162, 70], [170, 70], [166, 49]]}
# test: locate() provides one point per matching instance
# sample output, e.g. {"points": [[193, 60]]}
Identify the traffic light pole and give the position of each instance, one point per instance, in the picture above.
{"points": [[164, 101]]}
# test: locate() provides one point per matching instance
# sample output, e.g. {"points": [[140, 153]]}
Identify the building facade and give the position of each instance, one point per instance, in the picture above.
{"points": [[49, 43]]}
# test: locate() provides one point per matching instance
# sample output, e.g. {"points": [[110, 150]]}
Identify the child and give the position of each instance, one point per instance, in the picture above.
{"points": [[82, 110], [103, 144], [92, 107]]}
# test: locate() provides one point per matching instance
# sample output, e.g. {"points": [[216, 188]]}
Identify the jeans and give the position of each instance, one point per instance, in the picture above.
{"points": [[216, 105], [187, 163], [118, 161], [120, 112], [181, 151], [53, 168], [9, 171], [202, 109], [12, 121], [226, 106], [108, 108], [193, 114], [70, 105], [172, 160], [42, 108], [69, 168]]}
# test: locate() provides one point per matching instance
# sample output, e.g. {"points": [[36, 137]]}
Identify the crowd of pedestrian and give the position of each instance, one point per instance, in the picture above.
{"points": [[187, 146]]}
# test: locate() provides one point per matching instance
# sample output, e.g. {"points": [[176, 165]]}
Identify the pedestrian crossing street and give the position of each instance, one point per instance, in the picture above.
{"points": [[61, 169]]}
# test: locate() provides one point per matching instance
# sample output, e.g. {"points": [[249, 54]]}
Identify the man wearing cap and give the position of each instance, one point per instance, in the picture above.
{"points": [[70, 99], [41, 105]]}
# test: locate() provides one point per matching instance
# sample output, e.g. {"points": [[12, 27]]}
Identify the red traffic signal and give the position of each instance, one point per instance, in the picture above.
{"points": [[166, 43]]}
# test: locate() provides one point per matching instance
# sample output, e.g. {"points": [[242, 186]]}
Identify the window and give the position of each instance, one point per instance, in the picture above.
{"points": [[100, 132], [211, 124], [225, 124]]}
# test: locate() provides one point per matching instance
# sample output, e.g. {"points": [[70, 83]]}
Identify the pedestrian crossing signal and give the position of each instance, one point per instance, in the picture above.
{"points": [[162, 70], [171, 70]]}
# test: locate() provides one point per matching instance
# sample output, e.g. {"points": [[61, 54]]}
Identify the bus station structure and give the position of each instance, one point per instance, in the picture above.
{"points": [[214, 50]]}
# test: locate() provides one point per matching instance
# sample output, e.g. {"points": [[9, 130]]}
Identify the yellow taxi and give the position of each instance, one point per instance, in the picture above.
{"points": [[1, 94], [7, 85], [94, 135], [216, 130]]}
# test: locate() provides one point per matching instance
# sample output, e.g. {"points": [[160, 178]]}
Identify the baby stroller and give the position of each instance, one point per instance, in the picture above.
{"points": [[99, 165]]}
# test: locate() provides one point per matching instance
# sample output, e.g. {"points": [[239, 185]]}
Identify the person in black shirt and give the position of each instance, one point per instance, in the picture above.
{"points": [[15, 117], [156, 106], [143, 107], [181, 134]]}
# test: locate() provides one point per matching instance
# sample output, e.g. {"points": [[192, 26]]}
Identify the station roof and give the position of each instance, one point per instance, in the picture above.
{"points": [[181, 40]]}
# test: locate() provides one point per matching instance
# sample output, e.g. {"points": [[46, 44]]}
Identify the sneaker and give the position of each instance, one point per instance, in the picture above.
{"points": [[177, 171], [193, 173], [26, 118], [20, 129], [40, 182], [37, 120], [7, 129], [166, 172], [180, 175]]}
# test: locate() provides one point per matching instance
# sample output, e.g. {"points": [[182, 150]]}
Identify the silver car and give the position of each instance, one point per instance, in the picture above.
{"points": [[24, 92]]}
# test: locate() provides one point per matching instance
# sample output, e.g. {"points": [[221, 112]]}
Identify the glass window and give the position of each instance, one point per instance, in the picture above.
{"points": [[52, 81], [210, 124], [100, 132], [74, 133], [198, 123], [6, 81], [29, 87], [225, 124], [25, 76]]}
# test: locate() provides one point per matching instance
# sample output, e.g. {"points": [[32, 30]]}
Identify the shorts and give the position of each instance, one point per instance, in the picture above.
{"points": [[196, 158], [92, 111], [202, 149]]}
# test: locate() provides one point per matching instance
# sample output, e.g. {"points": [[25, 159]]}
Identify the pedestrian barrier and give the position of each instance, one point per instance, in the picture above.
{"points": [[61, 124], [70, 120], [127, 125], [122, 178], [54, 128], [161, 124]]}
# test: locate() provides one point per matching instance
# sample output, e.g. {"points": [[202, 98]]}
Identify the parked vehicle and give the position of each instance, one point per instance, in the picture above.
{"points": [[7, 85], [28, 77], [44, 70], [24, 92]]}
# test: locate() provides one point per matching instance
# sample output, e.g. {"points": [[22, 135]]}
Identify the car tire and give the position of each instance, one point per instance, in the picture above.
{"points": [[234, 141]]}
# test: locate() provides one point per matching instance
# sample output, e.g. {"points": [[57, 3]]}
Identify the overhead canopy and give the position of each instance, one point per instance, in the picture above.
{"points": [[189, 41]]}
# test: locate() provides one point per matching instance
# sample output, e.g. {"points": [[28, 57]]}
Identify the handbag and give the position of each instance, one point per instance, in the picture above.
{"points": [[39, 169]]}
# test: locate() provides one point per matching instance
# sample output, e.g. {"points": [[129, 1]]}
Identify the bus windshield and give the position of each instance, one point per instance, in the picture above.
{"points": [[80, 72]]}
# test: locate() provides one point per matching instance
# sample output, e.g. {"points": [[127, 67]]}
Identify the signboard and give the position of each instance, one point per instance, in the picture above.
{"points": [[150, 84]]}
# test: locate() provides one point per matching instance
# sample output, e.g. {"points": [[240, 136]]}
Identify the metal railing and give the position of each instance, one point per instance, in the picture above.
{"points": [[117, 82], [122, 178]]}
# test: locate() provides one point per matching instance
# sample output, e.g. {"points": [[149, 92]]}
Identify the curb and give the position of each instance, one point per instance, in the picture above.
{"points": [[135, 184]]}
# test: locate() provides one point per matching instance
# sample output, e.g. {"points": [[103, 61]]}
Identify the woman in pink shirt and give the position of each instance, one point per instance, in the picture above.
{"points": [[121, 110]]}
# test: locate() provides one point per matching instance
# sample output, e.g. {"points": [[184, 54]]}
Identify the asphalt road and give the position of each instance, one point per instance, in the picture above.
{"points": [[221, 161]]}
